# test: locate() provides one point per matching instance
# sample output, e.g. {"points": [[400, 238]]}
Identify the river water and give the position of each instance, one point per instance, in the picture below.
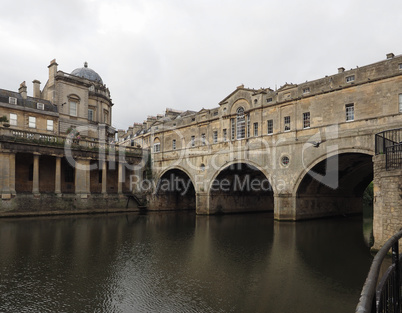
{"points": [[180, 262]]}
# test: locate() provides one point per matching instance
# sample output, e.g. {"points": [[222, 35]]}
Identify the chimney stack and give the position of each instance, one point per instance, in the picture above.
{"points": [[23, 90], [341, 70], [36, 88], [390, 56]]}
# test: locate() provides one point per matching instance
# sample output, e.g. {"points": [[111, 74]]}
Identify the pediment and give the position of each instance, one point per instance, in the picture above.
{"points": [[286, 87]]}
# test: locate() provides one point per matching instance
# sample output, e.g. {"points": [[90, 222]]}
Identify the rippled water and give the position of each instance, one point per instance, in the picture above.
{"points": [[179, 262]]}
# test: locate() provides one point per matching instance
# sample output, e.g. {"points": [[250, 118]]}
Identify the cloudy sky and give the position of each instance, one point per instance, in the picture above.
{"points": [[190, 54]]}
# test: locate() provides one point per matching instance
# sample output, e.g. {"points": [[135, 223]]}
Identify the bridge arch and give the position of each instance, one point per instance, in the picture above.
{"points": [[240, 186], [333, 184], [175, 190]]}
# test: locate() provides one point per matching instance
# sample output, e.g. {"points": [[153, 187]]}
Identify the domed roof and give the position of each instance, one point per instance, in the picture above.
{"points": [[86, 72]]}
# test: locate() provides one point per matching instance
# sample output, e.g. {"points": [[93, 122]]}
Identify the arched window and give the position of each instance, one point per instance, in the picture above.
{"points": [[241, 123], [157, 145]]}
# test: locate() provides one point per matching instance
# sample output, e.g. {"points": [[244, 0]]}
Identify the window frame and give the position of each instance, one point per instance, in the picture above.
{"points": [[350, 112], [174, 144], [91, 116], [31, 122], [400, 103], [215, 136], [12, 100], [13, 121], [255, 129], [49, 127], [73, 107], [225, 134], [240, 124], [270, 127], [192, 140], [306, 120], [157, 147], [286, 124], [350, 78]]}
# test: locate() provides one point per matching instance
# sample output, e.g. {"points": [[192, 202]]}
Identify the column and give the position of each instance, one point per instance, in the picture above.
{"points": [[12, 174], [57, 182], [120, 178], [104, 177], [35, 184]]}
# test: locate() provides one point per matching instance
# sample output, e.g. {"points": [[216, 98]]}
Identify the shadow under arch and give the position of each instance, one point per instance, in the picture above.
{"points": [[334, 184], [240, 187], [175, 191]]}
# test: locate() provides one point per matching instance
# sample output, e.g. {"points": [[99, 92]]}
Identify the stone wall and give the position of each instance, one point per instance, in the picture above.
{"points": [[387, 202]]}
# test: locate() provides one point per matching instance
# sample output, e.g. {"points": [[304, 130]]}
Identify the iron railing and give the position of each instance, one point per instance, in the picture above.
{"points": [[389, 142], [384, 296]]}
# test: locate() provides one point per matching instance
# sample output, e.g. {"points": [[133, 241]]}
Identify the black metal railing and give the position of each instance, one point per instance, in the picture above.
{"points": [[389, 142], [383, 296]]}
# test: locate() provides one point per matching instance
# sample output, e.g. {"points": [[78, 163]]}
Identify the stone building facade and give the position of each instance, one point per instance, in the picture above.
{"points": [[57, 150], [311, 144]]}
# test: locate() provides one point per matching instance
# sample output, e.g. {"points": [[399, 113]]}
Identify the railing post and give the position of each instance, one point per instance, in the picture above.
{"points": [[397, 281]]}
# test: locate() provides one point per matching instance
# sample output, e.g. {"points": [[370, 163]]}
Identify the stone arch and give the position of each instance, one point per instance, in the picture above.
{"points": [[175, 190], [324, 157], [333, 184], [240, 186], [241, 102]]}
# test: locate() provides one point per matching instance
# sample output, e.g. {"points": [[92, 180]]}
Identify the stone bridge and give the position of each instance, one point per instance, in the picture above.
{"points": [[302, 151]]}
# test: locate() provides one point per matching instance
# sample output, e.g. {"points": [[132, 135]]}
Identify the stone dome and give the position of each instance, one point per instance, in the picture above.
{"points": [[86, 72]]}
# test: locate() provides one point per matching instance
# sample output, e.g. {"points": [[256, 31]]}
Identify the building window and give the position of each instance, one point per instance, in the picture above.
{"points": [[225, 134], [49, 125], [32, 122], [270, 125], [73, 108], [350, 112], [157, 147], [306, 120], [90, 114], [216, 113], [287, 123], [192, 141], [400, 104], [13, 119], [350, 78], [232, 127], [255, 129], [285, 160], [106, 117], [203, 139], [215, 136], [40, 106], [241, 123], [306, 90], [174, 144], [269, 100], [12, 100], [400, 66]]}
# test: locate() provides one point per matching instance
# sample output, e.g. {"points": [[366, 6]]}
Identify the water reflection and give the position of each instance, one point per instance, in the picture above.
{"points": [[180, 263]]}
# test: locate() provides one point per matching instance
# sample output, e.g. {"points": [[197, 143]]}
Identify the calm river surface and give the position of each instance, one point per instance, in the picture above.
{"points": [[180, 262]]}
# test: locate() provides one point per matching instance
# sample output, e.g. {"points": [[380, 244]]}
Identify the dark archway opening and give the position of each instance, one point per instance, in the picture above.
{"points": [[241, 188], [175, 191], [334, 187]]}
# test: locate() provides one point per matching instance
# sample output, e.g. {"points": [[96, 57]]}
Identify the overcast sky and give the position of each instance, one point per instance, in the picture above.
{"points": [[189, 55]]}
